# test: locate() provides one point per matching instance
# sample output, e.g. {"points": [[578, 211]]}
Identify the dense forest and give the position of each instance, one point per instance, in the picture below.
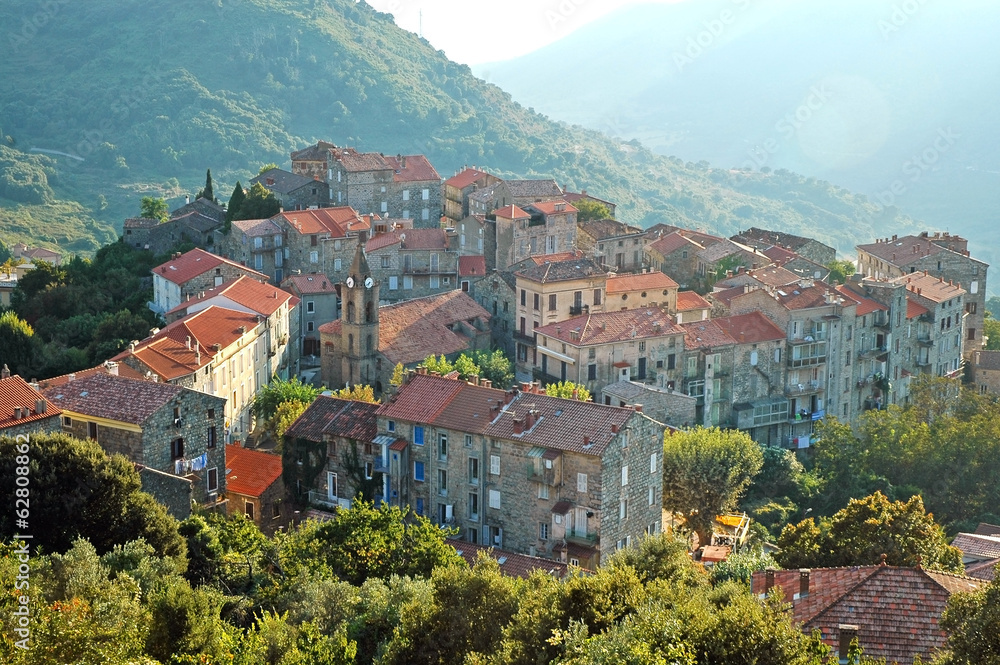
{"points": [[130, 98]]}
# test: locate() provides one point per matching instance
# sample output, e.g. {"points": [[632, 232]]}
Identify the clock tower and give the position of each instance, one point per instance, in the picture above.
{"points": [[359, 327]]}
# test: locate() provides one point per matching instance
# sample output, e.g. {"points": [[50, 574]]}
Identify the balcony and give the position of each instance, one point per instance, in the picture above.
{"points": [[808, 354], [924, 339], [806, 388], [577, 310], [380, 466], [873, 352], [528, 338], [321, 500], [884, 325], [541, 475], [585, 538], [429, 270]]}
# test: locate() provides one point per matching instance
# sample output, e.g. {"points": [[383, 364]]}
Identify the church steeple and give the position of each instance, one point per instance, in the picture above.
{"points": [[359, 329], [359, 266]]}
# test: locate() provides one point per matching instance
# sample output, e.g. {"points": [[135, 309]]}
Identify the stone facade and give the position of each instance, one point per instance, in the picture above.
{"points": [[497, 293], [670, 407], [613, 244], [543, 228], [257, 244], [173, 491], [322, 241], [414, 263], [985, 372], [294, 191], [319, 303], [676, 256], [456, 191]]}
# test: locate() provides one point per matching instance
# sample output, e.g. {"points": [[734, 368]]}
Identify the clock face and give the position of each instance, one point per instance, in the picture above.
{"points": [[369, 282], [350, 282]]}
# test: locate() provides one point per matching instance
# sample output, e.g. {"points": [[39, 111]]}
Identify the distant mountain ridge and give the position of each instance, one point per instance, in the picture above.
{"points": [[152, 94], [857, 92]]}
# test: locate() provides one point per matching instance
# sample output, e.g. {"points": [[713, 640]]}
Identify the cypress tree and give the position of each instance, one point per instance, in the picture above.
{"points": [[235, 203], [208, 192]]}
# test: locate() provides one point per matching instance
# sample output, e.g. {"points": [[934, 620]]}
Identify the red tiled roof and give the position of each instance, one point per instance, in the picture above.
{"points": [[422, 398], [897, 610], [335, 221], [122, 369], [914, 309], [511, 563], [257, 227], [611, 327], [865, 305], [250, 472], [411, 330], [902, 250], [362, 161], [984, 570], [196, 262], [553, 207], [752, 328], [935, 289], [306, 284], [639, 282], [382, 240], [671, 242], [15, 392], [423, 238], [542, 259], [689, 300], [978, 546], [774, 276], [113, 397], [702, 334], [259, 298], [469, 266], [336, 417], [465, 178], [796, 296], [985, 529], [511, 212], [412, 168], [166, 352]]}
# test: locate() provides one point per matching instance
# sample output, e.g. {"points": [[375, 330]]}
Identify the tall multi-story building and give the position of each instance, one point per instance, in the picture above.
{"points": [[457, 189]]}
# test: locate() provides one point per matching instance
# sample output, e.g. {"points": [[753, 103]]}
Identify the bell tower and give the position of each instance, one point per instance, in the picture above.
{"points": [[359, 329]]}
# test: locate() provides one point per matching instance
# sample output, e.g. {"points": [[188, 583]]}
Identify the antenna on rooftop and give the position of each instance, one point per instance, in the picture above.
{"points": [[421, 32]]}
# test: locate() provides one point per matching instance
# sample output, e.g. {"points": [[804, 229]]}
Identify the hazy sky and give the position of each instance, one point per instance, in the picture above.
{"points": [[473, 32]]}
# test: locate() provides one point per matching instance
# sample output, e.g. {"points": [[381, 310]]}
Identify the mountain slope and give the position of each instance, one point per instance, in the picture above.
{"points": [[149, 95], [857, 92]]}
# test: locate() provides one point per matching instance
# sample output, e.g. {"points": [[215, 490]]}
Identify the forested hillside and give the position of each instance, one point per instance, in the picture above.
{"points": [[145, 96]]}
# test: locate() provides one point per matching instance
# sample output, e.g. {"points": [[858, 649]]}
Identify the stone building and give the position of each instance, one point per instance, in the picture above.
{"points": [[941, 329], [413, 263], [196, 222], [613, 244], [314, 161], [675, 255], [23, 409], [582, 195], [202, 206], [456, 191], [601, 348], [294, 191], [523, 193], [985, 372], [497, 294], [807, 248], [322, 241], [541, 228], [670, 407], [939, 255], [416, 191], [802, 267], [563, 479], [258, 244], [161, 426], [192, 273], [319, 302], [255, 488], [473, 231], [715, 260], [638, 290], [691, 307], [471, 270]]}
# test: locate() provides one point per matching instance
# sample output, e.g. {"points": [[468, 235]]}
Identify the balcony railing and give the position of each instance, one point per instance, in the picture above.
{"points": [[924, 340], [874, 352], [805, 388], [321, 500], [585, 538], [577, 310], [544, 476]]}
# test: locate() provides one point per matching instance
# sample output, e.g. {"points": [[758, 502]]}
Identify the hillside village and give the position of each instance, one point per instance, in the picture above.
{"points": [[374, 263]]}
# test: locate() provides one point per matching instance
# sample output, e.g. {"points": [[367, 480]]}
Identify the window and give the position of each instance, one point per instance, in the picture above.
{"points": [[443, 482], [652, 495], [425, 214], [474, 470], [310, 307], [418, 435], [211, 437], [435, 281], [473, 506], [369, 470], [591, 372], [277, 240], [406, 195], [777, 355], [671, 361], [536, 300], [495, 465], [543, 491], [623, 509], [385, 205], [407, 282], [313, 240], [336, 265], [494, 498], [310, 326], [67, 421], [211, 412], [391, 426], [468, 440], [258, 242], [248, 509], [653, 466], [418, 471], [972, 334], [212, 478], [275, 511], [425, 194], [176, 448], [597, 296], [443, 447], [581, 482], [543, 531], [552, 302], [313, 257]]}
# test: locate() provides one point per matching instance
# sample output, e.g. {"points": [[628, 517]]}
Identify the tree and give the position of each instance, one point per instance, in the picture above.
{"points": [[153, 208], [865, 530], [267, 400], [208, 192], [264, 168], [357, 392], [991, 332], [185, 622], [590, 210], [78, 491], [495, 367], [258, 204], [568, 390], [16, 343], [398, 373], [840, 271], [972, 621], [286, 414], [705, 471], [440, 365], [236, 200]]}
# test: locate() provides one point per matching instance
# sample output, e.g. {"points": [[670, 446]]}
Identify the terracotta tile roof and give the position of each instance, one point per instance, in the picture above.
{"points": [[611, 327], [705, 334], [652, 281], [250, 472], [977, 546], [362, 161], [166, 352], [985, 529], [423, 239], [511, 563], [810, 295], [554, 207], [897, 610], [542, 259], [864, 305], [336, 417], [411, 330], [689, 300], [16, 393], [984, 570], [553, 270], [601, 229], [383, 240], [902, 250], [281, 181], [670, 243], [422, 398], [726, 247], [259, 298], [257, 227], [774, 276], [537, 187], [779, 255], [562, 424], [935, 289], [511, 212], [465, 178], [471, 266], [122, 369], [113, 397], [309, 284], [196, 262], [412, 168], [140, 223], [338, 222], [752, 328], [914, 309]]}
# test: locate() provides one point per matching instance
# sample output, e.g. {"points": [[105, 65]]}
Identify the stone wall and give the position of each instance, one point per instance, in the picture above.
{"points": [[174, 492], [499, 298], [48, 425]]}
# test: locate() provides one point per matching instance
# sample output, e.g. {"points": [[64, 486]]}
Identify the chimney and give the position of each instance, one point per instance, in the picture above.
{"points": [[803, 582], [848, 633], [586, 441], [525, 387], [187, 199], [5, 372], [242, 329], [614, 428], [72, 376], [197, 355], [421, 370], [638, 408], [576, 393], [768, 579], [474, 380], [112, 367], [518, 427], [17, 413], [41, 406], [486, 383], [529, 419], [187, 342]]}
